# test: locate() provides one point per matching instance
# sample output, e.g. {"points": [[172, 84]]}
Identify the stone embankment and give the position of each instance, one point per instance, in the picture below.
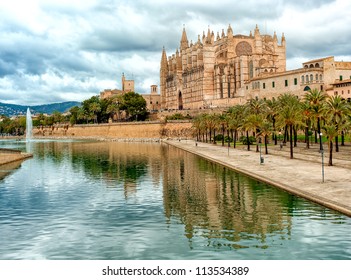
{"points": [[123, 130], [9, 156]]}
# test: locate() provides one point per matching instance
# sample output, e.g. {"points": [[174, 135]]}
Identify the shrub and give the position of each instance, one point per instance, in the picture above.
{"points": [[243, 139], [218, 137]]}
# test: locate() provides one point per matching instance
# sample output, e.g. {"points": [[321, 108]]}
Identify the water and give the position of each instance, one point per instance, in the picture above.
{"points": [[29, 126], [87, 200]]}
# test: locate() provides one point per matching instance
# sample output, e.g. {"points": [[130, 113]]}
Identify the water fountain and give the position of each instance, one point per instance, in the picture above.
{"points": [[29, 126]]}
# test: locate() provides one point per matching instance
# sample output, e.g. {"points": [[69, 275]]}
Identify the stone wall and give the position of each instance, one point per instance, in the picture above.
{"points": [[132, 130]]}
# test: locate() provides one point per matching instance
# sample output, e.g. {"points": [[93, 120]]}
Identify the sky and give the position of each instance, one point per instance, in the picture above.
{"points": [[70, 50]]}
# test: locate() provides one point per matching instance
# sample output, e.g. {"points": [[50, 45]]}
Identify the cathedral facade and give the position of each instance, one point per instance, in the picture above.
{"points": [[214, 71], [232, 69]]}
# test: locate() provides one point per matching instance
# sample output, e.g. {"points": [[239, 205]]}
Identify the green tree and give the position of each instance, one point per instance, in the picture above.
{"points": [[236, 115], [113, 107], [336, 108], [134, 105], [316, 99], [330, 131], [289, 115], [94, 109]]}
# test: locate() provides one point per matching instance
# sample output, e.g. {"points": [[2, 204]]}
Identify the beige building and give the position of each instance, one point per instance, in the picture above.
{"points": [[342, 88], [127, 86], [323, 74], [153, 99], [235, 68]]}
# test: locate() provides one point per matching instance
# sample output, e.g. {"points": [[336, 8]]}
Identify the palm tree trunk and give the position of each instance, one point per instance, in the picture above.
{"points": [[214, 136], [228, 138], [307, 138], [295, 137], [315, 137], [275, 135], [286, 137], [330, 163], [291, 143], [234, 138], [247, 139], [265, 144], [232, 134], [342, 138], [337, 143], [222, 134]]}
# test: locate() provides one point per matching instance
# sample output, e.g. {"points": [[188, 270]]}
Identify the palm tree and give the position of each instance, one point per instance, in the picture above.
{"points": [[316, 99], [236, 114], [265, 131], [337, 109], [271, 111], [95, 108], [256, 106], [114, 107], [289, 115], [252, 123], [331, 132], [306, 118], [223, 123], [211, 125]]}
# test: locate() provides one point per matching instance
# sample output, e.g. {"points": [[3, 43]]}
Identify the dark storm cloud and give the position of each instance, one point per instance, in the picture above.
{"points": [[71, 50]]}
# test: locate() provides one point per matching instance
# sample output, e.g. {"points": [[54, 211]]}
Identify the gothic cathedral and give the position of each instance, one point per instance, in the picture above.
{"points": [[214, 71]]}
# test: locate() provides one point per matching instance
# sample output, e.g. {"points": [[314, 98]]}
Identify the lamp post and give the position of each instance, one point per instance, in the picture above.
{"points": [[322, 153]]}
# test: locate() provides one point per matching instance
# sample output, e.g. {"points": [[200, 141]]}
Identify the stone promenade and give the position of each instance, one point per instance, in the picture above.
{"points": [[301, 176], [9, 156]]}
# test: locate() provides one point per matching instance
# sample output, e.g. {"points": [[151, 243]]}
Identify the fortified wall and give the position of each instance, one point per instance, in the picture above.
{"points": [[132, 130]]}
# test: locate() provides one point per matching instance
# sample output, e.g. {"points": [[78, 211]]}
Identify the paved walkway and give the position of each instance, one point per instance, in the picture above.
{"points": [[301, 176]]}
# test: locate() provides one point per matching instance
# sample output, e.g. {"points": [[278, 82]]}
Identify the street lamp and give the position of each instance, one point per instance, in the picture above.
{"points": [[322, 153]]}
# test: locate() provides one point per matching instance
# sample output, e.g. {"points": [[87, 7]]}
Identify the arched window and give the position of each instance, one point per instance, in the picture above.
{"points": [[307, 88], [311, 78], [317, 65], [306, 66], [320, 77], [311, 66], [303, 79], [316, 77], [307, 79]]}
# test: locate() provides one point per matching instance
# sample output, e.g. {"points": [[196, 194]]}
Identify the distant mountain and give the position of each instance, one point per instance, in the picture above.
{"points": [[15, 110]]}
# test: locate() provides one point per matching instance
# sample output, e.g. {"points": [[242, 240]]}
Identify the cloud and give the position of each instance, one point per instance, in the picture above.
{"points": [[60, 50]]}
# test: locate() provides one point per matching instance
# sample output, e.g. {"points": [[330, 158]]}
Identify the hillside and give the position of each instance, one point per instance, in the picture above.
{"points": [[15, 110]]}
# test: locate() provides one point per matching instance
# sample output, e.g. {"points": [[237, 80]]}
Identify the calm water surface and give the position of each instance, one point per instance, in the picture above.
{"points": [[99, 200]]}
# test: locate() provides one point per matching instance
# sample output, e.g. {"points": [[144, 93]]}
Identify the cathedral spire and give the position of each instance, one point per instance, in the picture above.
{"points": [[257, 31], [208, 40], [230, 31], [275, 39], [184, 41], [283, 40], [164, 62]]}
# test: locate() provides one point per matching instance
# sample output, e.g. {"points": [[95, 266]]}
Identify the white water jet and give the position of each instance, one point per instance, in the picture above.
{"points": [[29, 126]]}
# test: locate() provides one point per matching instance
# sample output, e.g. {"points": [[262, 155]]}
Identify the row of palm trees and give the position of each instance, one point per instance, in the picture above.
{"points": [[284, 117]]}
